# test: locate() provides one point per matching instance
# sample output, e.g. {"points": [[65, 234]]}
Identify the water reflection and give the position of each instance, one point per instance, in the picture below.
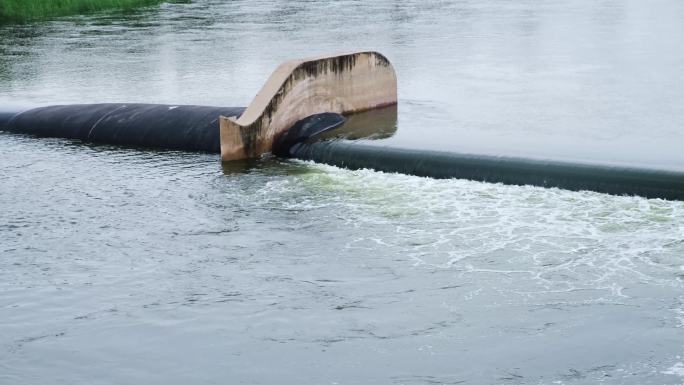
{"points": [[242, 166], [267, 165], [373, 124]]}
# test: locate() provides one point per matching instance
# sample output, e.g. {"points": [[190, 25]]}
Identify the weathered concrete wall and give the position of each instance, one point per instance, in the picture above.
{"points": [[343, 83]]}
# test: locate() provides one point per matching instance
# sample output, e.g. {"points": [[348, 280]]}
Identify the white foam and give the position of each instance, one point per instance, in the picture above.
{"points": [[560, 241], [676, 369]]}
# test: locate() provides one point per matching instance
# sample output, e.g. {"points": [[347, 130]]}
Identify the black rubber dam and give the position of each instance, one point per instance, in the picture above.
{"points": [[571, 176], [320, 138], [173, 127]]}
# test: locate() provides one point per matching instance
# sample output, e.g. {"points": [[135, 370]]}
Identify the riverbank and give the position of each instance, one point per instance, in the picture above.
{"points": [[25, 10]]}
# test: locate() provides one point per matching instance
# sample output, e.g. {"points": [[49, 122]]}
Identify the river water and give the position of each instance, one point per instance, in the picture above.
{"points": [[127, 266]]}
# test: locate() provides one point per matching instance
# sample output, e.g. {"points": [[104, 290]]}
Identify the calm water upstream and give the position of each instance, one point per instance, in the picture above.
{"points": [[125, 266]]}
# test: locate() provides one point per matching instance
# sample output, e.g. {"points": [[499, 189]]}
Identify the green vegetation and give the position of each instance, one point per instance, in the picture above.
{"points": [[25, 10]]}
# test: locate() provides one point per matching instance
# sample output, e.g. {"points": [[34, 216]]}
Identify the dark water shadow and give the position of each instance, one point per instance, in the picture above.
{"points": [[267, 165], [239, 167], [372, 124]]}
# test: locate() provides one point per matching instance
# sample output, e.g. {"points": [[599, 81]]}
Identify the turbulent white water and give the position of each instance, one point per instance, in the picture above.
{"points": [[124, 266], [135, 266]]}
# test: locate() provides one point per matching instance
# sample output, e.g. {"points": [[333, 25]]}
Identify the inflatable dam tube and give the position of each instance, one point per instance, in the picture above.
{"points": [[174, 127], [6, 117], [570, 176], [308, 128]]}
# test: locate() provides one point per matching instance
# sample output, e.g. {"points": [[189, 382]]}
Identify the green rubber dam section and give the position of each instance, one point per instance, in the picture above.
{"points": [[650, 183]]}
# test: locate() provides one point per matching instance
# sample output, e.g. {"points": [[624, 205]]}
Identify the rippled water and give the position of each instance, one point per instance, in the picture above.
{"points": [[586, 80], [122, 266]]}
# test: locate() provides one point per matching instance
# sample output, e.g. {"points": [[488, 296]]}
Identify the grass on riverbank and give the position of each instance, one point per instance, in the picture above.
{"points": [[25, 10]]}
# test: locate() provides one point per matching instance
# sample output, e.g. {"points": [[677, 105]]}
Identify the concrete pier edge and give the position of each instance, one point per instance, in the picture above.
{"points": [[341, 83]]}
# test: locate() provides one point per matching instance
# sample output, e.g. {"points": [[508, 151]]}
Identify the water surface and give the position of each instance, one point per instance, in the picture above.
{"points": [[128, 266]]}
